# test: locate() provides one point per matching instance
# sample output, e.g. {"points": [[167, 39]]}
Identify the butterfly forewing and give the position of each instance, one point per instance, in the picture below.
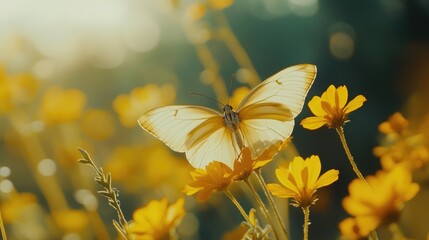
{"points": [[267, 113], [171, 124], [287, 87]]}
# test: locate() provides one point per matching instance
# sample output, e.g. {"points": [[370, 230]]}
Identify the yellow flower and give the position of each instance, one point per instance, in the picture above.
{"points": [[350, 229], [381, 200], [331, 109], [157, 220], [15, 89], [244, 166], [15, 208], [396, 124], [400, 146], [71, 220], [61, 106], [220, 4], [238, 95], [301, 180], [138, 167], [140, 100], [196, 11], [216, 177], [98, 124]]}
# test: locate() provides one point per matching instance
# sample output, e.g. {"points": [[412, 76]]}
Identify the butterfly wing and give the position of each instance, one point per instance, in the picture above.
{"points": [[198, 131], [267, 113], [211, 141]]}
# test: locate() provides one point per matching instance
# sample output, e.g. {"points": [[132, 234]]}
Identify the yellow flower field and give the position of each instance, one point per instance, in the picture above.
{"points": [[214, 119]]}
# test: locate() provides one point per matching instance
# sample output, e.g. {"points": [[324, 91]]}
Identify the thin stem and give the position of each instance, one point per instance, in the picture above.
{"points": [[271, 200], [262, 206], [35, 152], [210, 64], [340, 132], [3, 231], [237, 204], [306, 211], [237, 50]]}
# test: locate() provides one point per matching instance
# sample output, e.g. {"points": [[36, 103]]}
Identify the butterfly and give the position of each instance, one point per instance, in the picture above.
{"points": [[263, 118]]}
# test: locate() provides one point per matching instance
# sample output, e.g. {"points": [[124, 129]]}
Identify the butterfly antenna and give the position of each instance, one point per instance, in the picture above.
{"points": [[230, 86], [210, 98]]}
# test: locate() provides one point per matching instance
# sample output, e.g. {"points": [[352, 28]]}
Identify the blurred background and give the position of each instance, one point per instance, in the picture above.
{"points": [[80, 73]]}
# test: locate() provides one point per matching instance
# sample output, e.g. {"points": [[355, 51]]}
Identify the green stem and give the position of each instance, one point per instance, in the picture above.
{"points": [[306, 211], [262, 206], [237, 204], [340, 132], [271, 200]]}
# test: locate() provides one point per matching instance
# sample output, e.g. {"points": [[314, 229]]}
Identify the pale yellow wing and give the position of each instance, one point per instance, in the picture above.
{"points": [[267, 113], [172, 124], [287, 87], [208, 143]]}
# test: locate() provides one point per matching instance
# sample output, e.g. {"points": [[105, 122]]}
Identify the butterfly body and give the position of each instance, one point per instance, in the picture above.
{"points": [[232, 121], [264, 117]]}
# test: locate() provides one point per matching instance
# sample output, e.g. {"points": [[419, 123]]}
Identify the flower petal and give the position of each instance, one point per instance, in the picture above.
{"points": [[314, 167], [315, 106], [329, 95], [343, 96], [313, 123], [283, 176], [327, 178], [280, 191], [354, 104]]}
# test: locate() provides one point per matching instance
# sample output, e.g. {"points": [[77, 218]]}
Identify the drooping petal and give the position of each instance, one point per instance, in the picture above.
{"points": [[316, 107], [280, 191], [343, 96], [354, 104], [327, 178], [313, 123]]}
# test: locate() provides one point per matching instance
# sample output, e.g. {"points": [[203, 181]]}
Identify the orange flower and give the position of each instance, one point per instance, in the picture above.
{"points": [[98, 124], [331, 109], [380, 201], [216, 177], [301, 180], [400, 146], [244, 166], [157, 220], [61, 106], [140, 100], [396, 124]]}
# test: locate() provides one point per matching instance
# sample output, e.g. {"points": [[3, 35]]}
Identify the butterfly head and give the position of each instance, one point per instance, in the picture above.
{"points": [[227, 108]]}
